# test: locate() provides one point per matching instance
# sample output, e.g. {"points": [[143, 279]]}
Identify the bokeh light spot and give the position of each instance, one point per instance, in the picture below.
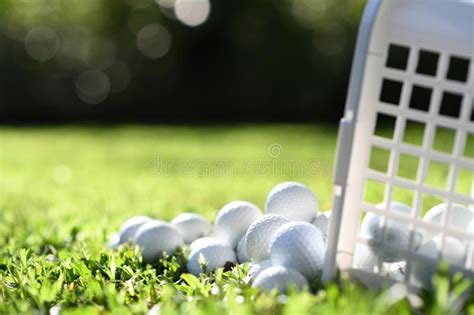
{"points": [[12, 25], [167, 7], [93, 86], [42, 43], [192, 12], [166, 3], [61, 174], [154, 41]]}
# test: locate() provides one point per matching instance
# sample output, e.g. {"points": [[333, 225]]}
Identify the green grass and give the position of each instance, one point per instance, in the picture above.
{"points": [[63, 190]]}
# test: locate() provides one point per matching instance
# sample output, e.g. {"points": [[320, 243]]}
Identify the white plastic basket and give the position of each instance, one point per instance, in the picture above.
{"points": [[413, 65]]}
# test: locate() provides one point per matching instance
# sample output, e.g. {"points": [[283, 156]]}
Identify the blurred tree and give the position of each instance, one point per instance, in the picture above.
{"points": [[175, 60]]}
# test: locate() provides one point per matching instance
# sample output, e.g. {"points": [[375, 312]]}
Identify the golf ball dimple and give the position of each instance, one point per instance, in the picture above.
{"points": [[210, 257], [191, 226], [280, 278], [155, 238], [299, 245], [234, 219], [292, 200], [257, 268], [460, 216], [396, 236], [242, 251], [259, 235], [130, 227]]}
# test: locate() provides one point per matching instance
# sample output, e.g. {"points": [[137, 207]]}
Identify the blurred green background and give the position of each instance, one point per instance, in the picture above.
{"points": [[175, 60]]}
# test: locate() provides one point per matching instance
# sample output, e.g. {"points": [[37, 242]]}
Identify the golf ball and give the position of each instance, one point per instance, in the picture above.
{"points": [[292, 200], [364, 258], [397, 233], [454, 253], [234, 219], [203, 241], [259, 235], [210, 257], [299, 245], [395, 271], [280, 278], [257, 268], [322, 222], [130, 227], [460, 216], [191, 226], [242, 251], [155, 238]]}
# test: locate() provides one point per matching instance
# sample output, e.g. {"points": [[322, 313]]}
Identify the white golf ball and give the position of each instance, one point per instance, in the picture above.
{"points": [[454, 253], [257, 268], [280, 278], [460, 217], [259, 235], [322, 221], [364, 258], [299, 245], [395, 271], [397, 233], [203, 241], [233, 220], [242, 251], [210, 257], [292, 200], [191, 226], [155, 238], [130, 227]]}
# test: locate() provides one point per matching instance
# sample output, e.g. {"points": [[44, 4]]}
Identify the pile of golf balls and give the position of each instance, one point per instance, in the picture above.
{"points": [[285, 245], [384, 237]]}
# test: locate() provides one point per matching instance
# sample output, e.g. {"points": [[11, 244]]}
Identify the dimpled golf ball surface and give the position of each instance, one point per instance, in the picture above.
{"points": [[292, 200], [259, 235], [257, 268], [299, 245], [233, 220], [215, 255], [460, 216], [279, 278], [454, 253], [397, 233], [130, 227], [242, 251], [155, 238], [191, 226]]}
